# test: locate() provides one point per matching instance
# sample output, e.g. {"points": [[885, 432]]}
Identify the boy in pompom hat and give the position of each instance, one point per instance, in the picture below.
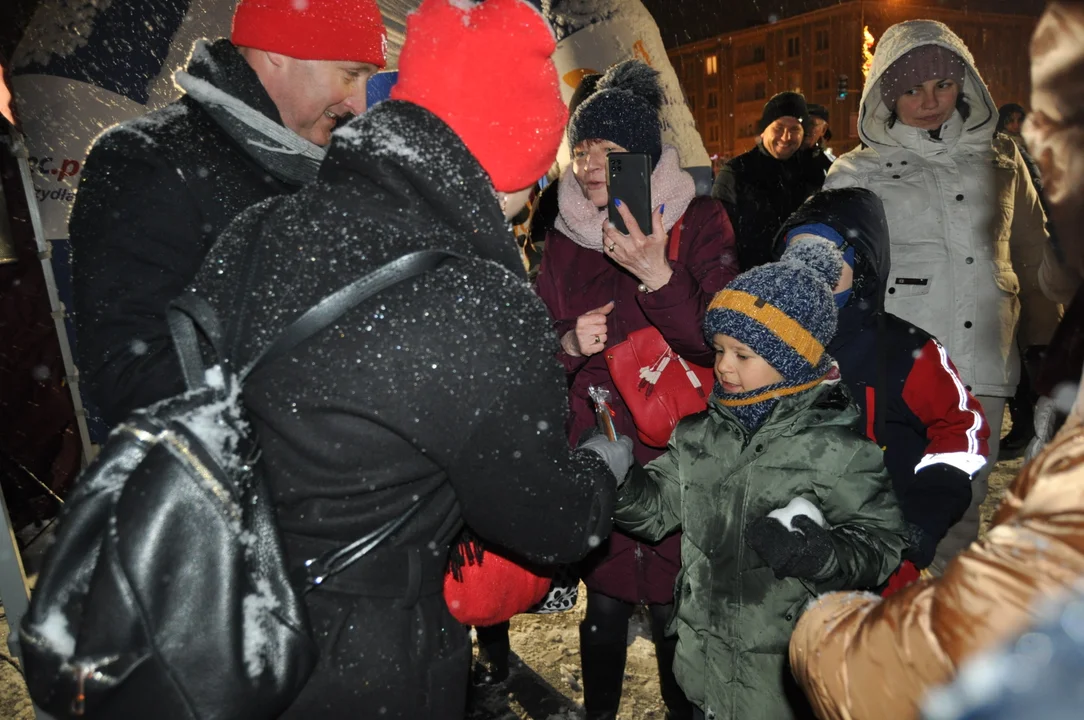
{"points": [[779, 495]]}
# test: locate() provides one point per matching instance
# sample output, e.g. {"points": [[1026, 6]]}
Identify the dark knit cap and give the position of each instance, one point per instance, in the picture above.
{"points": [[925, 62], [785, 104], [818, 111], [624, 109], [785, 311], [586, 88]]}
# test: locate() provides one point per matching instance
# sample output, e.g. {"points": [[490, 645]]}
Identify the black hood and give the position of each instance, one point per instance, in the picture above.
{"points": [[858, 216]]}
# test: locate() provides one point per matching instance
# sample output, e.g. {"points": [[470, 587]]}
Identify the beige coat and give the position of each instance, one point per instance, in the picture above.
{"points": [[958, 209], [858, 656]]}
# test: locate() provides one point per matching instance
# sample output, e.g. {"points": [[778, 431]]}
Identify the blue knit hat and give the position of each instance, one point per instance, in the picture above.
{"points": [[784, 311], [829, 233], [624, 109]]}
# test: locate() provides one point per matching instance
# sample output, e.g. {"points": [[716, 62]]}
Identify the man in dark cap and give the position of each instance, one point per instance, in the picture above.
{"points": [[762, 187], [815, 154]]}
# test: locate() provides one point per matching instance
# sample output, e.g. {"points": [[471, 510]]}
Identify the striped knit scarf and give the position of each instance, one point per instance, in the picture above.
{"points": [[752, 408]]}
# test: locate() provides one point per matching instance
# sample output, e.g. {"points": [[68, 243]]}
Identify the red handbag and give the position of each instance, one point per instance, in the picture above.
{"points": [[491, 589], [657, 385]]}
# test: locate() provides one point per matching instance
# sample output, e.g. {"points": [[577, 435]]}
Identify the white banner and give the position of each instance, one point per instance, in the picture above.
{"points": [[630, 33]]}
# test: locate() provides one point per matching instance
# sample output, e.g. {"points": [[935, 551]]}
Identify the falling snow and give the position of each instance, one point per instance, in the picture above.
{"points": [[67, 29]]}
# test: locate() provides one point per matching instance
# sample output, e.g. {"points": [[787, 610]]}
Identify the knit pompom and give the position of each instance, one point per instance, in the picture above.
{"points": [[821, 256], [635, 77]]}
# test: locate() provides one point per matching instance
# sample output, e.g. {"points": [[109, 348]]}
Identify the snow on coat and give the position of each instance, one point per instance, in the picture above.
{"points": [[442, 387], [955, 208], [154, 194]]}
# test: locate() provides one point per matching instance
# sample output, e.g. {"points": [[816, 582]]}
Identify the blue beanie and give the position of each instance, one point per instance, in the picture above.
{"points": [[784, 311], [830, 233], [624, 109]]}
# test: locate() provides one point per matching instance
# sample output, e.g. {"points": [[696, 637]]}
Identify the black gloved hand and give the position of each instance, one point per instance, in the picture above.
{"points": [[800, 553], [932, 502], [921, 547]]}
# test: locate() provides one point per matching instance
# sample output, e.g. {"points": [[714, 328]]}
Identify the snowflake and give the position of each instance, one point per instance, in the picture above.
{"points": [[60, 32]]}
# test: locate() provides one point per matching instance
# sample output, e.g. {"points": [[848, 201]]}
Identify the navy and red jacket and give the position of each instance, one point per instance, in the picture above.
{"points": [[912, 400]]}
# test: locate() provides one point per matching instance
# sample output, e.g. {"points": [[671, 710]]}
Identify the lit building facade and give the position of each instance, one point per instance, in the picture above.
{"points": [[728, 78]]}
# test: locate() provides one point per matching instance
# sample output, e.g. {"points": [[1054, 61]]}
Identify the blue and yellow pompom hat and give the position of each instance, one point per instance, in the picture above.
{"points": [[785, 312]]}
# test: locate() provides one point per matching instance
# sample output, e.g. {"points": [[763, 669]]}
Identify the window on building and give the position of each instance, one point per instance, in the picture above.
{"points": [[760, 91], [821, 40], [691, 102], [711, 64], [794, 46], [713, 100], [713, 134], [749, 55], [794, 81], [822, 80]]}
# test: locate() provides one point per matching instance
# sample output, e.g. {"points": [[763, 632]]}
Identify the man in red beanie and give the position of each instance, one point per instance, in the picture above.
{"points": [[254, 122], [442, 388]]}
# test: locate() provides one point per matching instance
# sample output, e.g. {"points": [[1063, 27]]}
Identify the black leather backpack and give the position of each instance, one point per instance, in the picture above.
{"points": [[166, 594]]}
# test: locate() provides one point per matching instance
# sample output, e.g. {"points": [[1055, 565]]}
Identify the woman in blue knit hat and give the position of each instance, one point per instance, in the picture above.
{"points": [[778, 494], [600, 286]]}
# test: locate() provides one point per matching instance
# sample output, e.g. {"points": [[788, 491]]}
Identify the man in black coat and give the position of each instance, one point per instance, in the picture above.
{"points": [[155, 193], [815, 155], [761, 187], [443, 388], [911, 399]]}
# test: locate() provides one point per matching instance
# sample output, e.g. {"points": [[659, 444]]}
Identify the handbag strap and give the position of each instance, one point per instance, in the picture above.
{"points": [[675, 240]]}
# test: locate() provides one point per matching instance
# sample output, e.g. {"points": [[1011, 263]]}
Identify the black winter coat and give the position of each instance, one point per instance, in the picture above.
{"points": [[443, 387], [155, 193], [911, 398], [759, 193]]}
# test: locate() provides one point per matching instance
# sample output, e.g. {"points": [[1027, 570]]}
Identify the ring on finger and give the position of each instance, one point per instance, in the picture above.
{"points": [[598, 340], [612, 246]]}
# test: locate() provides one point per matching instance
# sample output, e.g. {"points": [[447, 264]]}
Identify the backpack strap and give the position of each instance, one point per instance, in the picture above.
{"points": [[331, 308], [190, 315]]}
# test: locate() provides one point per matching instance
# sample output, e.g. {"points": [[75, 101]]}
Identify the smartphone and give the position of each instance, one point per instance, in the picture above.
{"points": [[628, 179]]}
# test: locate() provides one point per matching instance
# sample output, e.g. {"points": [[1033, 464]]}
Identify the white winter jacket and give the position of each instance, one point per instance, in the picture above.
{"points": [[952, 207]]}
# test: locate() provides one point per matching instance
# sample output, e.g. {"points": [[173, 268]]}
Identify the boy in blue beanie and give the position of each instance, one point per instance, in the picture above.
{"points": [[779, 495], [910, 398]]}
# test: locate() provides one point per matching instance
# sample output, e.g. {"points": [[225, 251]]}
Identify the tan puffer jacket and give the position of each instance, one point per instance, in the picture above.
{"points": [[858, 656]]}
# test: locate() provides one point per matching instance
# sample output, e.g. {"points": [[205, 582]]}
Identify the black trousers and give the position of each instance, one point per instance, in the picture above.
{"points": [[495, 645], [603, 651]]}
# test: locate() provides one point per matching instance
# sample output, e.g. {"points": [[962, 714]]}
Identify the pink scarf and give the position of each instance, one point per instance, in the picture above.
{"points": [[582, 222]]}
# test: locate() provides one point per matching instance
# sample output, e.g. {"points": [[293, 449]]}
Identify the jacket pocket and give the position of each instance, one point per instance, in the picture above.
{"points": [[796, 608], [905, 192], [682, 588], [905, 284]]}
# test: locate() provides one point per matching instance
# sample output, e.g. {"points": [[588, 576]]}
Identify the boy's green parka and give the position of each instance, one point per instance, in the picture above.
{"points": [[732, 616]]}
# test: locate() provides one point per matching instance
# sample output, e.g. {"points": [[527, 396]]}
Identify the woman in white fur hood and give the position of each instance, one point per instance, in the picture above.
{"points": [[964, 218]]}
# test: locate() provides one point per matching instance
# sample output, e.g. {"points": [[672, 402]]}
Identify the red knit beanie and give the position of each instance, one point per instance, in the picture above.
{"points": [[313, 29], [451, 48]]}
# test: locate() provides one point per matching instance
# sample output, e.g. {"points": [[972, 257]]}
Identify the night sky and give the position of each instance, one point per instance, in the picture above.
{"points": [[683, 21], [680, 21]]}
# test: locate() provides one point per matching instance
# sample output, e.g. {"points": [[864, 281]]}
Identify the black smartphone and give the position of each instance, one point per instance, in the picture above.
{"points": [[628, 179]]}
